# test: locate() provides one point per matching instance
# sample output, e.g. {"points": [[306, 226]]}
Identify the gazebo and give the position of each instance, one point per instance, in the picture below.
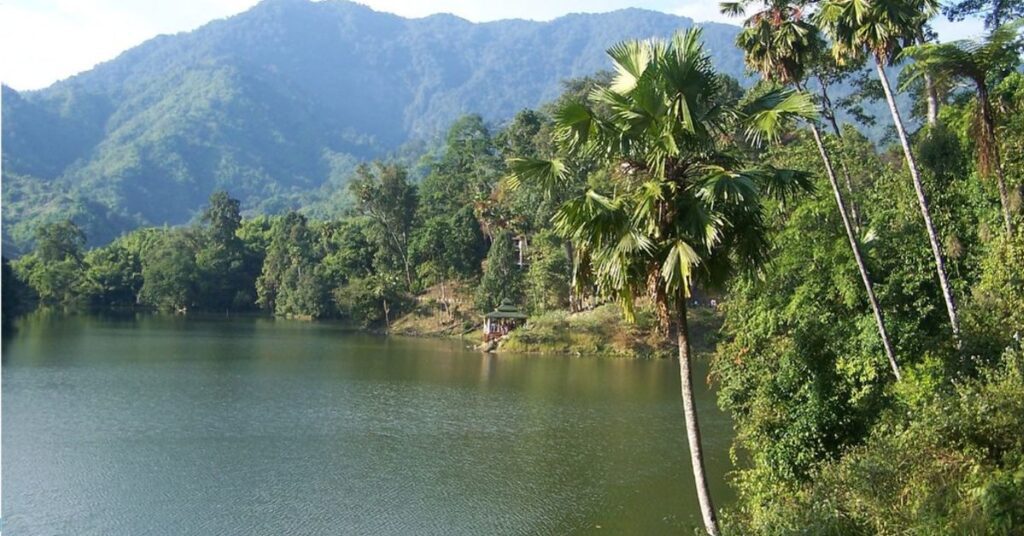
{"points": [[502, 320]]}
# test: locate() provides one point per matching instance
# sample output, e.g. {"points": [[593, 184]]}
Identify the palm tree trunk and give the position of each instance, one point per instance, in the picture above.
{"points": [[574, 301], [930, 93], [830, 114], [992, 145], [707, 509], [864, 275], [932, 100], [922, 200]]}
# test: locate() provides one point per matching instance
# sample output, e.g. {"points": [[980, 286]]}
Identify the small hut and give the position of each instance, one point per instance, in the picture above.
{"points": [[502, 320]]}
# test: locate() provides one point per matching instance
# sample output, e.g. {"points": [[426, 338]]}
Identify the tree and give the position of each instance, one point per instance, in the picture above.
{"points": [[223, 218], [373, 299], [503, 278], [347, 252], [549, 275], [291, 283], [59, 241], [684, 206], [169, 272], [997, 12], [54, 269], [113, 276], [226, 281], [384, 194], [778, 43], [11, 294], [976, 62], [882, 28], [467, 170], [447, 247]]}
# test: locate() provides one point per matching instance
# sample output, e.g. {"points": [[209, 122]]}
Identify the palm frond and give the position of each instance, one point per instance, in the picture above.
{"points": [[574, 124], [767, 115], [677, 270], [630, 59], [720, 185], [782, 184], [548, 174], [732, 9]]}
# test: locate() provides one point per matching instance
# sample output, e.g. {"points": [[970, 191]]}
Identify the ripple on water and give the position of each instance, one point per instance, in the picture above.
{"points": [[264, 428]]}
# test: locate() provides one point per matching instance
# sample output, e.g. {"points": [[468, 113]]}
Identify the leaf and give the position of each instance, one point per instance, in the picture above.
{"points": [[630, 59], [677, 269], [574, 123], [767, 115], [548, 174]]}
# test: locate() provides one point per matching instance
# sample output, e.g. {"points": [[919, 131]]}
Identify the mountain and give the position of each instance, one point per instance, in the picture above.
{"points": [[278, 103]]}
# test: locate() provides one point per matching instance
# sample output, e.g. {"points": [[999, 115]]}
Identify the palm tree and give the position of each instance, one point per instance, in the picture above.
{"points": [[683, 206], [882, 28], [975, 61], [778, 42]]}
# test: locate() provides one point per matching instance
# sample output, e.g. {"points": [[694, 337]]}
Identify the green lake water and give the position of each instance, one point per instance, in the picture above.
{"points": [[149, 425]]}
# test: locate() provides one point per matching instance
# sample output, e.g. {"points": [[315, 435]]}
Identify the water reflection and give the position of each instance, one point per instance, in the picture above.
{"points": [[163, 425]]}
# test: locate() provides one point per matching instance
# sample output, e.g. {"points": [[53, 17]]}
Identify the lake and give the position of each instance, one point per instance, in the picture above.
{"points": [[160, 425]]}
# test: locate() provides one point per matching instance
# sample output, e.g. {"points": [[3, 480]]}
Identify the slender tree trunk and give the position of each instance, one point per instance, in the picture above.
{"points": [[864, 275], [922, 200], [830, 114], [408, 265], [992, 146], [574, 301], [931, 94], [932, 100], [707, 508], [444, 303]]}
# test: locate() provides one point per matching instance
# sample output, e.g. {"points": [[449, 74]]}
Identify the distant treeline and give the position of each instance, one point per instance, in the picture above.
{"points": [[398, 239]]}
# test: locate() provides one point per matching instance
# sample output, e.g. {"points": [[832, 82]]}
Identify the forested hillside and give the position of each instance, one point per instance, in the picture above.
{"points": [[277, 105]]}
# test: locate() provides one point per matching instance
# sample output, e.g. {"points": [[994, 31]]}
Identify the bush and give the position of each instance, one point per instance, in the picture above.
{"points": [[953, 466]]}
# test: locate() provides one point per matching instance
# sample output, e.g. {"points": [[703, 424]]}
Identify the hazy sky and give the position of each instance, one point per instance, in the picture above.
{"points": [[42, 41]]}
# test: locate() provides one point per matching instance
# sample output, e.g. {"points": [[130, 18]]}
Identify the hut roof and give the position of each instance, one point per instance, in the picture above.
{"points": [[506, 310]]}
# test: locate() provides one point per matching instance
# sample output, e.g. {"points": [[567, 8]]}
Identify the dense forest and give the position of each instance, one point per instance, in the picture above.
{"points": [[278, 105], [873, 303]]}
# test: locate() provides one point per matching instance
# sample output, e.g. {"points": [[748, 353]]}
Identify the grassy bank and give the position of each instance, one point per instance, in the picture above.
{"points": [[603, 332]]}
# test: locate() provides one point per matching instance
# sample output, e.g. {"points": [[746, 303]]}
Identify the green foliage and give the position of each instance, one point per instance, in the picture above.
{"points": [[347, 250], [599, 332], [956, 466], [170, 274], [683, 207], [637, 185], [503, 277], [385, 196], [449, 246], [291, 283], [996, 12], [826, 443], [114, 276], [54, 270], [549, 274], [995, 311], [253, 105]]}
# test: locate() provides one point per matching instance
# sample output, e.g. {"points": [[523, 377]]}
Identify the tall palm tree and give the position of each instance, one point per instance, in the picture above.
{"points": [[684, 206], [882, 28], [777, 38], [975, 61], [778, 42]]}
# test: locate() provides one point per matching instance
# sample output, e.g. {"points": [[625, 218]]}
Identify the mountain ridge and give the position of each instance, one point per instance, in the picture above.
{"points": [[279, 102]]}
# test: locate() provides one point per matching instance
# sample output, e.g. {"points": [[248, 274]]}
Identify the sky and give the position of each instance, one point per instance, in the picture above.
{"points": [[43, 41]]}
